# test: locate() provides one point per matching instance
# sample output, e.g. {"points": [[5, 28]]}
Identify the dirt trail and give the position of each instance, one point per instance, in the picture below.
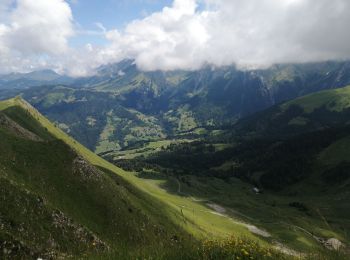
{"points": [[217, 208], [287, 250], [258, 231], [221, 211], [253, 229]]}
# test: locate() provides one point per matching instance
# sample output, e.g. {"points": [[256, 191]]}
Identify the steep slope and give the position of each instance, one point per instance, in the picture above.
{"points": [[56, 204], [151, 106], [325, 109], [300, 141], [235, 92], [95, 118], [59, 199]]}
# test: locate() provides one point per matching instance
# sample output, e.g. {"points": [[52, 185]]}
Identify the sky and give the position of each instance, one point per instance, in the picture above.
{"points": [[89, 15], [74, 37]]}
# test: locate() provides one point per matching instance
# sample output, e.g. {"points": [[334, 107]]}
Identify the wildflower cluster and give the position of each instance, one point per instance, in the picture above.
{"points": [[236, 248]]}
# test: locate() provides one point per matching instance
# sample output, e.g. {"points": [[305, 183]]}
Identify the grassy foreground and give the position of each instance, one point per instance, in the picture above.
{"points": [[193, 216], [185, 215]]}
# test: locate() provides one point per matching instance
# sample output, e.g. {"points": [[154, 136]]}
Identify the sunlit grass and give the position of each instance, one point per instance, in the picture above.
{"points": [[191, 215]]}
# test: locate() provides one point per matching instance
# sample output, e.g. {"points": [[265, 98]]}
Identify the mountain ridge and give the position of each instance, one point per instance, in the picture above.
{"points": [[173, 102], [17, 81], [67, 193]]}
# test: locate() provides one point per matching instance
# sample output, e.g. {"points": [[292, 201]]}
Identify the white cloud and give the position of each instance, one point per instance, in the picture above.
{"points": [[34, 33], [259, 32], [249, 33], [41, 26], [121, 73], [166, 40]]}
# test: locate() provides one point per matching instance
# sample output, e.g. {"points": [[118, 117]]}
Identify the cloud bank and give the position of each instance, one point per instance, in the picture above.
{"points": [[186, 35], [33, 33]]}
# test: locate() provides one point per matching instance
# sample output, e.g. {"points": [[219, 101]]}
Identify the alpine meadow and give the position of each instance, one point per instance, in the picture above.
{"points": [[175, 129]]}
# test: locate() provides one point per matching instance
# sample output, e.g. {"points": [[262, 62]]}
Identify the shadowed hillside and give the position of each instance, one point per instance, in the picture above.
{"points": [[60, 200]]}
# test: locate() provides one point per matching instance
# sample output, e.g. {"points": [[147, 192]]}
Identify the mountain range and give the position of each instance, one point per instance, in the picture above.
{"points": [[178, 157], [156, 105], [30, 79]]}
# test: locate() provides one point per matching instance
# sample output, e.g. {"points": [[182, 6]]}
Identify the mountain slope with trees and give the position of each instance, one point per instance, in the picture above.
{"points": [[121, 107]]}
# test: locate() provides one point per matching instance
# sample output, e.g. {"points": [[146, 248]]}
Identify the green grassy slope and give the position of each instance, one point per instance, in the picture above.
{"points": [[301, 148], [54, 203], [304, 203], [57, 204], [309, 136], [321, 110], [334, 100], [303, 169]]}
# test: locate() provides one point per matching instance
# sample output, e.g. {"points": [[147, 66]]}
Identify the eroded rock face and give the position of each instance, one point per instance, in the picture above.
{"points": [[333, 243], [11, 248], [17, 130], [84, 236], [85, 169]]}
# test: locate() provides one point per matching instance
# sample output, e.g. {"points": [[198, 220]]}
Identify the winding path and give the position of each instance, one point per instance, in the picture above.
{"points": [[219, 210]]}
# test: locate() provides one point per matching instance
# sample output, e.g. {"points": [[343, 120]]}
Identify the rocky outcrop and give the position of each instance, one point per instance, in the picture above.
{"points": [[84, 169], [333, 244], [81, 234], [17, 130]]}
